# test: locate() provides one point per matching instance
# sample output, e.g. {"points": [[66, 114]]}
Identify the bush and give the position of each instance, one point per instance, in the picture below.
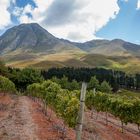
{"points": [[105, 87], [6, 85], [63, 101]]}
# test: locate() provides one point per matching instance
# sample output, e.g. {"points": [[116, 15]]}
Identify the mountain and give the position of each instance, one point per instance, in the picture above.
{"points": [[32, 38], [116, 47], [31, 45]]}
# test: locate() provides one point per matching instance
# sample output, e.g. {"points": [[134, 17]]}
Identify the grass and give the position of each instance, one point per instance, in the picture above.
{"points": [[128, 64], [96, 60], [47, 64], [129, 93]]}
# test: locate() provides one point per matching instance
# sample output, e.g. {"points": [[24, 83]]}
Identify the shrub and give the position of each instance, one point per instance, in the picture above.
{"points": [[6, 85]]}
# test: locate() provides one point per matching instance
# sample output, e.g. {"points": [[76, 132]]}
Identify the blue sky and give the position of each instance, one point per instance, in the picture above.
{"points": [[76, 20], [126, 25]]}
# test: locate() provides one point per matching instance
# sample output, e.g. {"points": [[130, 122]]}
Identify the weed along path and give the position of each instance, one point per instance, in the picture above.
{"points": [[21, 118]]}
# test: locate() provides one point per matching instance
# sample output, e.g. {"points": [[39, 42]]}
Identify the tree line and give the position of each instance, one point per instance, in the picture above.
{"points": [[24, 77], [117, 79]]}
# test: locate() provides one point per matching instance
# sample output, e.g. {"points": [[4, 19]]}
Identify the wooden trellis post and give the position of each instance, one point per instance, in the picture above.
{"points": [[81, 112], [94, 92]]}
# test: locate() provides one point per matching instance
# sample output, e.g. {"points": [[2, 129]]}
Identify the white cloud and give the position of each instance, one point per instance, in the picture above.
{"points": [[78, 21], [17, 11], [5, 18], [38, 13], [24, 17], [28, 9], [138, 5]]}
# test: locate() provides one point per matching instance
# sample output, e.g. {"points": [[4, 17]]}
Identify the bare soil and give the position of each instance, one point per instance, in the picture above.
{"points": [[21, 118]]}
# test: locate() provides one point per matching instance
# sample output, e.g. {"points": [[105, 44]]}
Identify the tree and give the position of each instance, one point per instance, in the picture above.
{"points": [[35, 90], [25, 77], [74, 85], [93, 83], [55, 79], [138, 81], [105, 87], [64, 82]]}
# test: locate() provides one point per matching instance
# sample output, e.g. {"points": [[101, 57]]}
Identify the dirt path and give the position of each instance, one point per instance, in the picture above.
{"points": [[29, 126], [23, 119], [16, 123]]}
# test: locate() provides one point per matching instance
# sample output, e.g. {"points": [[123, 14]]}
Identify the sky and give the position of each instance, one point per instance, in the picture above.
{"points": [[76, 20]]}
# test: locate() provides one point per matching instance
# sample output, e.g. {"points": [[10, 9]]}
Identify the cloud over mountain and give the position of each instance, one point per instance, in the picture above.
{"points": [[76, 20], [67, 18]]}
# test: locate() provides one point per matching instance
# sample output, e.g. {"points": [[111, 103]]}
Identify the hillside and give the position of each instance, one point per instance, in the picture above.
{"points": [[129, 64], [116, 47], [32, 38], [31, 45]]}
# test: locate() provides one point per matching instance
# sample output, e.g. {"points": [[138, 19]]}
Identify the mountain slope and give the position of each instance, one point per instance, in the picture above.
{"points": [[115, 47], [31, 45], [32, 38]]}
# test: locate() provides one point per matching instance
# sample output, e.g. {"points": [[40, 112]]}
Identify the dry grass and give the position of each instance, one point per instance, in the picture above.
{"points": [[128, 64]]}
